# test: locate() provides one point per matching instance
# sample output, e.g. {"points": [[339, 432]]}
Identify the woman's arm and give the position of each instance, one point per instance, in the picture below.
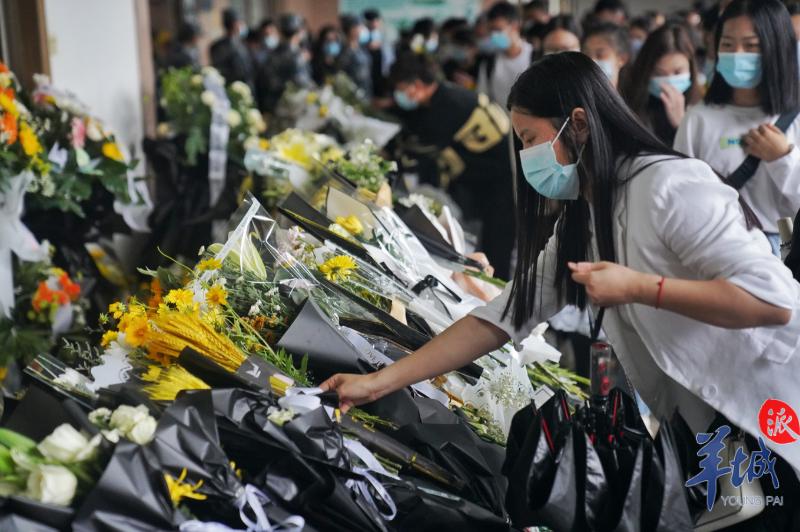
{"points": [[716, 302], [461, 343]]}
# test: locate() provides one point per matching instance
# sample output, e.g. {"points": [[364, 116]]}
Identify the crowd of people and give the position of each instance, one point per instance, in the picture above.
{"points": [[689, 79]]}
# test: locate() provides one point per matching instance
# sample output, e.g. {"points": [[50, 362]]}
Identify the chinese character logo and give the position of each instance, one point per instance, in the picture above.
{"points": [[713, 465], [778, 422]]}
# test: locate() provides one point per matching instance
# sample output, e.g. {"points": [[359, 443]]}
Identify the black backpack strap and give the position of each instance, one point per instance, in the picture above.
{"points": [[739, 177]]}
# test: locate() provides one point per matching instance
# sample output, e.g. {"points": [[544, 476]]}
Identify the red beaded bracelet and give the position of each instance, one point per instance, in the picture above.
{"points": [[660, 291]]}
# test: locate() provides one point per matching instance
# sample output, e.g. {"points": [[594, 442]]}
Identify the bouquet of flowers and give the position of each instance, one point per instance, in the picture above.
{"points": [[365, 168], [82, 152], [21, 147], [47, 305], [189, 102]]}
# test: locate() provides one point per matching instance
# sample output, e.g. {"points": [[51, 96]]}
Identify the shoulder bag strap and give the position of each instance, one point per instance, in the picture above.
{"points": [[742, 175]]}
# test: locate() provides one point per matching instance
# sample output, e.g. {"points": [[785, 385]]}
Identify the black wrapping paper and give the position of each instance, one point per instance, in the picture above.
{"points": [[130, 495], [10, 522]]}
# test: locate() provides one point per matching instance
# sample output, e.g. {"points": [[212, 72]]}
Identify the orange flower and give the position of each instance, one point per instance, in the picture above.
{"points": [[9, 125], [43, 295], [3, 68], [156, 294], [73, 290]]}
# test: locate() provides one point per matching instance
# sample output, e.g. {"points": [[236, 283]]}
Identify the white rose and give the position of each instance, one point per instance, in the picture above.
{"points": [[52, 484], [100, 417], [208, 98], [111, 435], [142, 433], [197, 80], [93, 130], [234, 118], [64, 444], [126, 417]]}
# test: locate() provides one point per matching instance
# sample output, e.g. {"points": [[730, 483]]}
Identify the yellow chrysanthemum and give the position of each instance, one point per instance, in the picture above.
{"points": [[217, 296], [111, 150], [136, 330], [351, 223], [323, 111], [179, 490], [332, 154], [312, 98], [181, 298], [116, 309], [214, 317], [338, 268], [108, 337], [209, 264], [296, 152], [263, 144], [8, 105], [29, 140]]}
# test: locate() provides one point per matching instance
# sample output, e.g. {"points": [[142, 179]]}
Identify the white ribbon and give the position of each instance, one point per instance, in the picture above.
{"points": [[218, 135], [362, 486], [254, 499], [14, 238]]}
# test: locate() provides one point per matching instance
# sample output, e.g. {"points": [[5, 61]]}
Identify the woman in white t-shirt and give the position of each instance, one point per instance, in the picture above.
{"points": [[756, 81]]}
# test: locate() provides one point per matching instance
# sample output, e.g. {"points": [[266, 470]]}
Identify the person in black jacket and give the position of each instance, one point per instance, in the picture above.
{"points": [[355, 60], [466, 136], [287, 63], [228, 54], [185, 53]]}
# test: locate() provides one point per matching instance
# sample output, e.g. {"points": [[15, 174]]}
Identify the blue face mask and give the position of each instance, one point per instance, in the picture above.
{"points": [[546, 175], [243, 31], [332, 48], [431, 45], [375, 36], [636, 45], [500, 41], [681, 82], [741, 70], [363, 35], [607, 67], [403, 101], [271, 42]]}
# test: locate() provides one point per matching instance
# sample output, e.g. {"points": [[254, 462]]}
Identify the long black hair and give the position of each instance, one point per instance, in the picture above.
{"points": [[668, 39], [552, 88], [780, 84]]}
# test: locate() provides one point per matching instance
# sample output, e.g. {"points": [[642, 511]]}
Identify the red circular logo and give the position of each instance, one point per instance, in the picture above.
{"points": [[778, 422]]}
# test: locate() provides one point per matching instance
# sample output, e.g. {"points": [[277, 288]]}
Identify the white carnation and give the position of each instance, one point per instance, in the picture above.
{"points": [[197, 80], [208, 98], [234, 118]]}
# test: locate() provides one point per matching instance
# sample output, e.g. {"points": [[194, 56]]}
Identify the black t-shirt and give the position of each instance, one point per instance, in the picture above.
{"points": [[465, 133]]}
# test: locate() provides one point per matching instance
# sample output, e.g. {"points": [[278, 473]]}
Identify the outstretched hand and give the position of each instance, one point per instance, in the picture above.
{"points": [[353, 390]]}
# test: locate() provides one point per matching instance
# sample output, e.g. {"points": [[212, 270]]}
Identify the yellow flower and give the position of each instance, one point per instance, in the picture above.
{"points": [[338, 268], [323, 111], [136, 330], [217, 296], [108, 337], [214, 317], [29, 140], [8, 105], [312, 98], [179, 490], [111, 150], [181, 298], [296, 152], [209, 264], [116, 309], [263, 144], [332, 154], [351, 223]]}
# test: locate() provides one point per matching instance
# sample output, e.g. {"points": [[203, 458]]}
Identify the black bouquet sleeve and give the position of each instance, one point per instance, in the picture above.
{"points": [[130, 495]]}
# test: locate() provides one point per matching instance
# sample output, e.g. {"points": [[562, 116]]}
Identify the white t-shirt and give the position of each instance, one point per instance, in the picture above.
{"points": [[712, 133], [505, 73]]}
